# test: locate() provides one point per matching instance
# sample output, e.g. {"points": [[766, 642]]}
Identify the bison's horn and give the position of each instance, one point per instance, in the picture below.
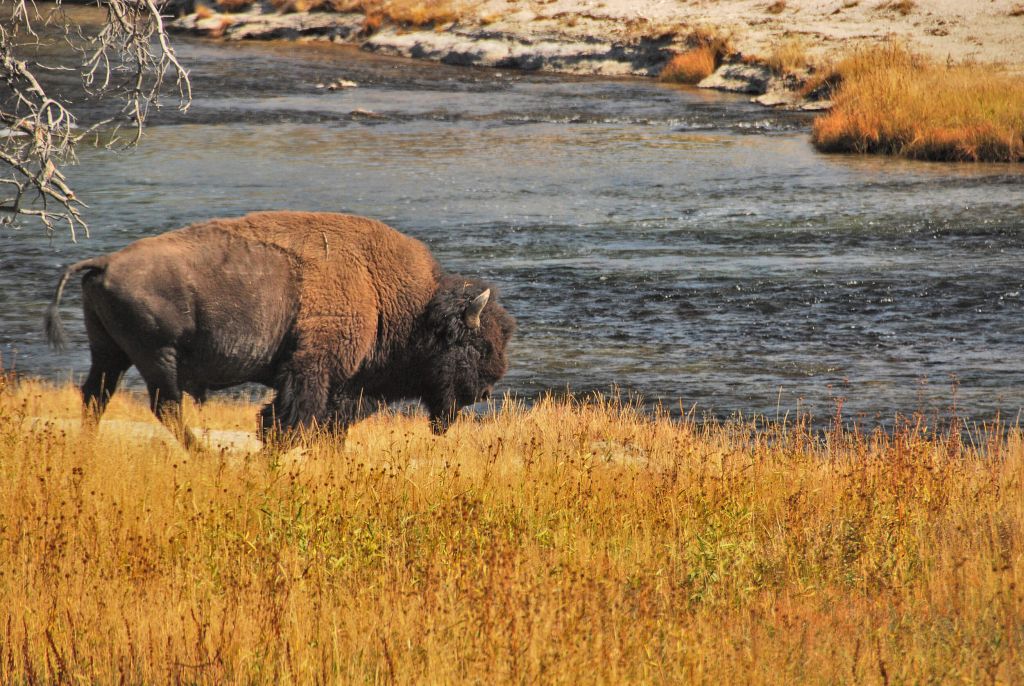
{"points": [[472, 315]]}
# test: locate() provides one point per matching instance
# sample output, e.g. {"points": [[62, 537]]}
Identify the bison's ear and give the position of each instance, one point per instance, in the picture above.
{"points": [[472, 313]]}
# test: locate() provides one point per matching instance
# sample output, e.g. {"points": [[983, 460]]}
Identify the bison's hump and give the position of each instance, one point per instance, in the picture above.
{"points": [[348, 268]]}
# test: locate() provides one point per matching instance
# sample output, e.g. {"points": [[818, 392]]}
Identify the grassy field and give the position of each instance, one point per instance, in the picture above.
{"points": [[565, 543]]}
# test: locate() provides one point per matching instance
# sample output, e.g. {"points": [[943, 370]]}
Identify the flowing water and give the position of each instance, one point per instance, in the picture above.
{"points": [[687, 246]]}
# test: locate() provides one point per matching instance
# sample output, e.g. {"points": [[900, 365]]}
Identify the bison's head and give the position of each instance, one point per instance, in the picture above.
{"points": [[465, 352]]}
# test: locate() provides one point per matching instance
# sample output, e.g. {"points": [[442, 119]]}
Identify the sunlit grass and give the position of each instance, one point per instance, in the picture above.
{"points": [[411, 12], [229, 6], [708, 47], [788, 56], [38, 399], [891, 101], [691, 66], [565, 543]]}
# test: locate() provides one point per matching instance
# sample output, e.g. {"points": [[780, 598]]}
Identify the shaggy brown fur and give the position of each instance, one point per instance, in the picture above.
{"points": [[327, 309]]}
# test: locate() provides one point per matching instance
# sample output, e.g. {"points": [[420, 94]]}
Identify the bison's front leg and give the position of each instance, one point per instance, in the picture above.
{"points": [[329, 352], [299, 407]]}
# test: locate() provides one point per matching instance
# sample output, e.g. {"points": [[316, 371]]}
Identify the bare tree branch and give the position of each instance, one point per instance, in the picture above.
{"points": [[127, 58]]}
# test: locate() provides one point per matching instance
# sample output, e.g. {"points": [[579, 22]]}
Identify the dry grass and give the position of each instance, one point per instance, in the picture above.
{"points": [[204, 12], [420, 12], [566, 543], [707, 48], [903, 7], [788, 56], [890, 101], [691, 66], [234, 5], [710, 37], [406, 12]]}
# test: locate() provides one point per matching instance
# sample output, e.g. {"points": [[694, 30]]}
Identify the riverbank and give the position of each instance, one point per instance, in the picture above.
{"points": [[770, 49], [561, 543]]}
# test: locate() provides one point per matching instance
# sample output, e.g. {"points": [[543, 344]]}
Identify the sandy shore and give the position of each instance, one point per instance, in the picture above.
{"points": [[216, 440], [980, 30]]}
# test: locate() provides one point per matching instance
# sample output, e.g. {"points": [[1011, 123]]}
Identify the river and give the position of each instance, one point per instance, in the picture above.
{"points": [[685, 246]]}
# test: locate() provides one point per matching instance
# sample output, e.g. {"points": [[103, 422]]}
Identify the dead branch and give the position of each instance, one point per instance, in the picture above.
{"points": [[127, 58]]}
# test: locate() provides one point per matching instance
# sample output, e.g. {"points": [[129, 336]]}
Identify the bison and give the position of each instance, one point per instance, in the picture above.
{"points": [[326, 309]]}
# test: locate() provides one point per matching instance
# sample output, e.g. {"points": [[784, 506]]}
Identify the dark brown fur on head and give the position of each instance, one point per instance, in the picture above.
{"points": [[461, 362]]}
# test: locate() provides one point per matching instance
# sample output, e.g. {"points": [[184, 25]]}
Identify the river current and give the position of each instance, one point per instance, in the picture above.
{"points": [[685, 246]]}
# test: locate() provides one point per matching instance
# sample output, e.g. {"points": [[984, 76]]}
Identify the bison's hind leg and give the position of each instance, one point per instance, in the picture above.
{"points": [[161, 379], [109, 363]]}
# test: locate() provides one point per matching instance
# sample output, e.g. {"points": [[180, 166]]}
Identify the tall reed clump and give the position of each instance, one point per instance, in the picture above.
{"points": [[569, 542], [893, 102]]}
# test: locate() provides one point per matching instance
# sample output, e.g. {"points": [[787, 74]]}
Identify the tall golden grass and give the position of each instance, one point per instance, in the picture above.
{"points": [[706, 51], [566, 543], [891, 101], [691, 66], [411, 12], [788, 56], [228, 6]]}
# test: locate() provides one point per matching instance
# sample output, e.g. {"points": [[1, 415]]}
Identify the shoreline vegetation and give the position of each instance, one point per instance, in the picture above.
{"points": [[888, 100], [897, 78], [567, 542]]}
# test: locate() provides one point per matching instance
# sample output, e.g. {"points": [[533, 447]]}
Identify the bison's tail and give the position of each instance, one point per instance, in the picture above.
{"points": [[55, 333]]}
